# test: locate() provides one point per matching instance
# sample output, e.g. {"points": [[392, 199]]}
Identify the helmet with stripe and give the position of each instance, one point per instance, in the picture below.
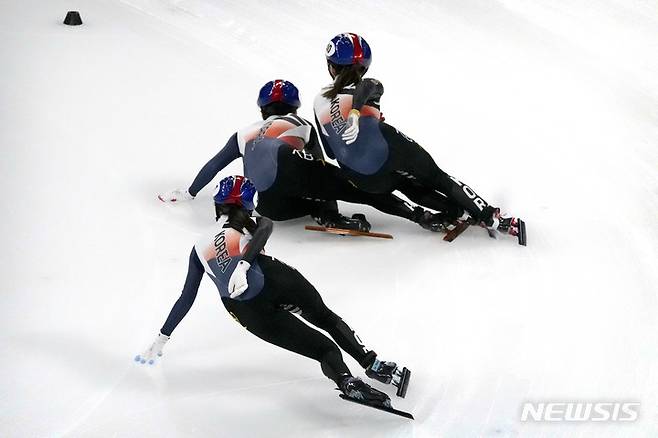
{"points": [[235, 190], [349, 49], [279, 90]]}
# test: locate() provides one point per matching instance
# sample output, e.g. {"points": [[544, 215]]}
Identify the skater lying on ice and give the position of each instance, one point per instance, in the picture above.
{"points": [[262, 294], [282, 156], [378, 158]]}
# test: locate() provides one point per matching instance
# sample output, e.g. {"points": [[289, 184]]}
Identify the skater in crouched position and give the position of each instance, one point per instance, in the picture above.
{"points": [[283, 158], [262, 294], [377, 157]]}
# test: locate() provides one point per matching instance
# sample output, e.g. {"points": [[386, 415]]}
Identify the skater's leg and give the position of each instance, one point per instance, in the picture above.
{"points": [[322, 317], [289, 196], [284, 330], [293, 293], [429, 198], [296, 293], [301, 178], [326, 181], [277, 205], [412, 161]]}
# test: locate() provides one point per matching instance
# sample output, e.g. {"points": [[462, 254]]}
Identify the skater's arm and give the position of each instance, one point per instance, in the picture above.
{"points": [[367, 90], [182, 306], [326, 147], [313, 146], [260, 232], [223, 158], [259, 238]]}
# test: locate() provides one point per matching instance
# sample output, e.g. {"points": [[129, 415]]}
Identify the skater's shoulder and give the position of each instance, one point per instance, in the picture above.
{"points": [[295, 119], [254, 125], [210, 231], [372, 84], [289, 120], [220, 230], [249, 132], [320, 97]]}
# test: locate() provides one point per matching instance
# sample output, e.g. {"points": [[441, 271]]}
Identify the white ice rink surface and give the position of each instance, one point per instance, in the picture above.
{"points": [[548, 109]]}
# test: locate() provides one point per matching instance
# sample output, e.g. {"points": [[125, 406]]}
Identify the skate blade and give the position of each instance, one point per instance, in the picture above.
{"points": [[345, 232], [455, 232], [403, 382], [522, 233], [381, 408]]}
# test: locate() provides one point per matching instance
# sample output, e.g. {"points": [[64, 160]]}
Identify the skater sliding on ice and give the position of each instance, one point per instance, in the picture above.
{"points": [[378, 158], [262, 294], [283, 157]]}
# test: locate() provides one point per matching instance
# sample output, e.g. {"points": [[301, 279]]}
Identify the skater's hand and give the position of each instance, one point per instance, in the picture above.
{"points": [[175, 196], [154, 351], [237, 284], [352, 130]]}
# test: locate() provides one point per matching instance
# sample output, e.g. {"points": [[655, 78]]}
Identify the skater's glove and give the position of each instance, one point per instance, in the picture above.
{"points": [[352, 130], [237, 284], [175, 196], [154, 351]]}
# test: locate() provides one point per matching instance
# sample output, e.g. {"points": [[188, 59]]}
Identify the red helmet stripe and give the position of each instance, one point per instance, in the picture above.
{"points": [[357, 57], [235, 192], [277, 91]]}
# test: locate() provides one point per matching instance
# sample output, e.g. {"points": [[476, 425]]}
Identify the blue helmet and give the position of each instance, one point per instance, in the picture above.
{"points": [[279, 90], [236, 190], [349, 49]]}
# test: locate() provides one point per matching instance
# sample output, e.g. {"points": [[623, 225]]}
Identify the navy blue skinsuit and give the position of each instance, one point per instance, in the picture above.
{"points": [[275, 292], [283, 158], [382, 159]]}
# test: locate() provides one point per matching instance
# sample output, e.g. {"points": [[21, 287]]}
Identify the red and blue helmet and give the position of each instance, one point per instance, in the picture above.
{"points": [[349, 49], [236, 190], [279, 90]]}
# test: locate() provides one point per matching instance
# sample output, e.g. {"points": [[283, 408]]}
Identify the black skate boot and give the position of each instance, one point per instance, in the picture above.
{"points": [[365, 225], [489, 217], [333, 219], [513, 226], [494, 221], [354, 388], [508, 224], [435, 222], [389, 372]]}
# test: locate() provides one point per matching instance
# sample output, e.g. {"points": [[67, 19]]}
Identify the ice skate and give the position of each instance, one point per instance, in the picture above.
{"points": [[333, 219], [495, 223], [389, 372], [334, 223], [356, 389], [435, 222]]}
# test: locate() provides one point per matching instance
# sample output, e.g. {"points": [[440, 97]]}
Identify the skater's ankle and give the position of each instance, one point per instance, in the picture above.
{"points": [[342, 379], [368, 359]]}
